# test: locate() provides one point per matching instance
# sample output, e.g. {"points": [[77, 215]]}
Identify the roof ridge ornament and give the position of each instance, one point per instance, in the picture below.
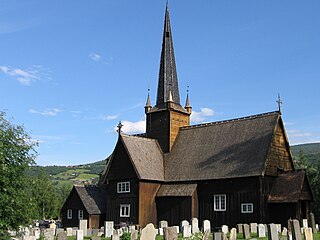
{"points": [[279, 101], [119, 126]]}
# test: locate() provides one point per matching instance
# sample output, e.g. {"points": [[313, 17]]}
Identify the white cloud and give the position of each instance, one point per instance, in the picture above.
{"points": [[95, 56], [202, 115], [26, 76], [133, 127], [110, 117], [300, 137], [48, 112]]}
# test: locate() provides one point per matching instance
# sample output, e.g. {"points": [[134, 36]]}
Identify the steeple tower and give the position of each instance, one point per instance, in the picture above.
{"points": [[167, 116]]}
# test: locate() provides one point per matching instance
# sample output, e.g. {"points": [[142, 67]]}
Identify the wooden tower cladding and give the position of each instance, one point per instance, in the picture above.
{"points": [[167, 116]]}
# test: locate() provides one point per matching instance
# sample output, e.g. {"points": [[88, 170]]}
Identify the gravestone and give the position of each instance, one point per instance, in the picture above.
{"points": [[83, 223], [206, 235], [62, 236], [239, 227], [95, 232], [217, 236], [233, 234], [312, 222], [278, 228], [36, 232], [261, 231], [74, 231], [148, 233], [225, 229], [194, 225], [96, 238], [132, 228], [160, 231], [163, 224], [295, 228], [53, 226], [79, 234], [266, 227], [317, 227], [246, 231], [69, 232], [115, 235], [134, 234], [273, 232], [170, 233], [308, 234], [206, 225], [59, 230], [253, 227], [178, 229], [48, 233], [186, 231], [304, 223], [183, 223], [108, 228], [284, 232]]}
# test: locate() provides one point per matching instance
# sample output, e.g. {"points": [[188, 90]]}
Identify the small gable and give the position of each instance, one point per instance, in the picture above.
{"points": [[279, 157]]}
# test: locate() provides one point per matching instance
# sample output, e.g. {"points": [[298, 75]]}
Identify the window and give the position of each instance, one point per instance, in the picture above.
{"points": [[246, 207], [69, 214], [124, 210], [219, 202], [123, 187], [80, 214]]}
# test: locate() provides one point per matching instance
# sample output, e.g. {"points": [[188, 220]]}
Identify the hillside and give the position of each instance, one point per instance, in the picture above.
{"points": [[311, 151]]}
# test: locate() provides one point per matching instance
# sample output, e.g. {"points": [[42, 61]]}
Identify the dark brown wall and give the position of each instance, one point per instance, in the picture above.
{"points": [[74, 203], [279, 156], [242, 190], [147, 204]]}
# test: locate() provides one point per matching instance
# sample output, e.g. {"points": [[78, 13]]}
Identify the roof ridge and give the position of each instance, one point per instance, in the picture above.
{"points": [[145, 138], [231, 120]]}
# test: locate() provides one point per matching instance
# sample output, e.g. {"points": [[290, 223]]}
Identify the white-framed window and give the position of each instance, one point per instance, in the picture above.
{"points": [[246, 207], [69, 214], [124, 210], [80, 214], [123, 187], [220, 202]]}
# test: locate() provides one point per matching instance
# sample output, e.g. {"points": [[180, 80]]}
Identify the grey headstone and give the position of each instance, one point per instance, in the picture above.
{"points": [[225, 229], [115, 235], [217, 236], [278, 228], [253, 227], [62, 236], [183, 223], [308, 234], [312, 223], [206, 225], [160, 231], [79, 234], [163, 224], [148, 233], [59, 230], [95, 232], [233, 234], [246, 231], [170, 233], [69, 232], [186, 231], [295, 228], [239, 227], [83, 225], [273, 232], [195, 225], [74, 231], [206, 235], [89, 232], [284, 232], [134, 234], [261, 231], [178, 229], [48, 233], [108, 228]]}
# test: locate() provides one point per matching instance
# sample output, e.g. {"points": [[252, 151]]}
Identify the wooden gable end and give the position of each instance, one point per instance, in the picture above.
{"points": [[306, 192], [120, 166], [279, 156]]}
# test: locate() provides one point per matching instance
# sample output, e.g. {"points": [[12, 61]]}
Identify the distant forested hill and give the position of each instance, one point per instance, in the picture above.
{"points": [[311, 151]]}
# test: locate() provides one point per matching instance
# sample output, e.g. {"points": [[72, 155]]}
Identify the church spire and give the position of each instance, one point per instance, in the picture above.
{"points": [[168, 80]]}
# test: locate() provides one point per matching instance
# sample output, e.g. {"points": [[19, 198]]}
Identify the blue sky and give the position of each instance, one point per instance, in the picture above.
{"points": [[70, 70]]}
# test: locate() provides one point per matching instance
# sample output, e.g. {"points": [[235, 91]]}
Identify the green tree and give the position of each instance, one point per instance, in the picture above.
{"points": [[17, 152]]}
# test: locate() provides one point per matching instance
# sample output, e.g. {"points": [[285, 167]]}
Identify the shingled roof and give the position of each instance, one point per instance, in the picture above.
{"points": [[288, 187], [176, 190], [146, 156], [93, 198], [218, 150]]}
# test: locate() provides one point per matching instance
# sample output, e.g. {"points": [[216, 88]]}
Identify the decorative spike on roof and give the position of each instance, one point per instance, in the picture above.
{"points": [[168, 80]]}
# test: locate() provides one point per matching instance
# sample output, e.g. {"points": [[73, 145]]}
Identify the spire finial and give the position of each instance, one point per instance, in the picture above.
{"points": [[279, 101], [120, 125], [188, 106], [148, 106]]}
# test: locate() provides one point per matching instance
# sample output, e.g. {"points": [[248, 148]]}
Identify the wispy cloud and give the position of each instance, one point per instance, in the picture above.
{"points": [[299, 137], [202, 115], [48, 112], [95, 56], [26, 76], [133, 127], [110, 117]]}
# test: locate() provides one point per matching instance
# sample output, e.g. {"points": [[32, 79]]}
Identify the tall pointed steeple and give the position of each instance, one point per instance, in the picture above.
{"points": [[168, 80]]}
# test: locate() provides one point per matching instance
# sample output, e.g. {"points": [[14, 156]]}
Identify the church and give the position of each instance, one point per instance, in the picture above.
{"points": [[233, 171]]}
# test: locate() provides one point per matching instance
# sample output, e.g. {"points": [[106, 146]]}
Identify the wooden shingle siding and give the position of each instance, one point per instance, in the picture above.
{"points": [[177, 120], [279, 156]]}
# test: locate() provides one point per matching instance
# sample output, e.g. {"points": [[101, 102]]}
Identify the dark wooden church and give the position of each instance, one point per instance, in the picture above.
{"points": [[234, 171]]}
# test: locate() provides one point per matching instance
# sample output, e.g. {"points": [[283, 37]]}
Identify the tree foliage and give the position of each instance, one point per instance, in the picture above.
{"points": [[17, 152]]}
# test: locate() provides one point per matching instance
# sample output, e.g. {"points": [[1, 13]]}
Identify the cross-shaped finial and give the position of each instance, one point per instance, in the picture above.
{"points": [[279, 101], [120, 125]]}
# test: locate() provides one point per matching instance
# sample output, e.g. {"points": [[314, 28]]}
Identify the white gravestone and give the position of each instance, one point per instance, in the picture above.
{"points": [[108, 228], [194, 225], [79, 234], [83, 223], [206, 225], [261, 231], [148, 233], [186, 231]]}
